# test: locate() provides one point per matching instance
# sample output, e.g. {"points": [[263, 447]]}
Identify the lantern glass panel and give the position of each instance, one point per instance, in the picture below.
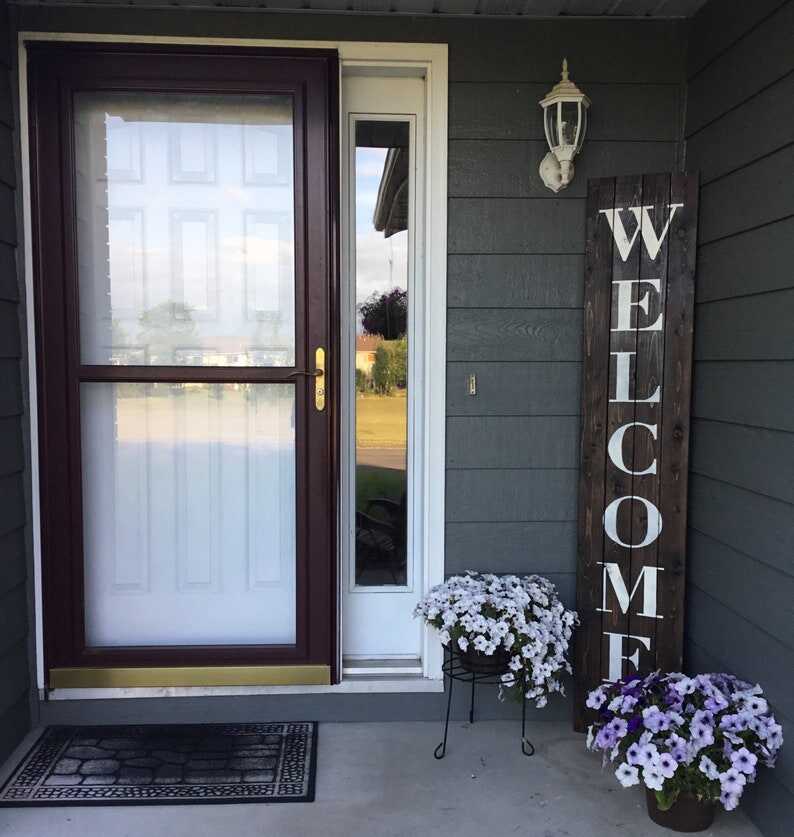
{"points": [[550, 124], [569, 121], [582, 130]]}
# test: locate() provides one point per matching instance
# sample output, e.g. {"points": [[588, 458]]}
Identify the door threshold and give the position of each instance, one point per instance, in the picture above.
{"points": [[382, 667], [351, 684]]}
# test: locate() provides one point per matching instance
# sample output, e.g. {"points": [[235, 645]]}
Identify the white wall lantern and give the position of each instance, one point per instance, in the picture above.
{"points": [[565, 122]]}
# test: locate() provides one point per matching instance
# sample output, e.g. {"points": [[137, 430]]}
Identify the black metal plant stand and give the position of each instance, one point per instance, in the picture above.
{"points": [[454, 669]]}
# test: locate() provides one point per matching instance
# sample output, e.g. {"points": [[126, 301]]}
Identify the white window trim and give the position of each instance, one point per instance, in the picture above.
{"points": [[430, 60]]}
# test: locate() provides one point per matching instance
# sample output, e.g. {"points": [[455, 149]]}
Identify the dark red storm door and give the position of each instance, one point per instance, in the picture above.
{"points": [[184, 216]]}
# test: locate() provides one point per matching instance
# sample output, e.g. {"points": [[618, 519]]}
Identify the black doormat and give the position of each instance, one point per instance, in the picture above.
{"points": [[167, 764]]}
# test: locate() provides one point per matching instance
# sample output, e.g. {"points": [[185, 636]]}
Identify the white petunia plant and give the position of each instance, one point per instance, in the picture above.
{"points": [[704, 736], [520, 618]]}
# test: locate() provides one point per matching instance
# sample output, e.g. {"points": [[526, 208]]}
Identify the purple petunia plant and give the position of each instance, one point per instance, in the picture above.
{"points": [[705, 735], [519, 618]]}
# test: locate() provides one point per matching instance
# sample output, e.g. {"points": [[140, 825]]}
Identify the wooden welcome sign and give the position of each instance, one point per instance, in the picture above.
{"points": [[638, 306]]}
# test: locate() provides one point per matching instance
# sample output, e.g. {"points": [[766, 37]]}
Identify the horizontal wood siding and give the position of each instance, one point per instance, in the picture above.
{"points": [[14, 615], [740, 134]]}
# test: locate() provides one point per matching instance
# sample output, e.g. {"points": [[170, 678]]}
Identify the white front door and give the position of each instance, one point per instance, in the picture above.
{"points": [[383, 155]]}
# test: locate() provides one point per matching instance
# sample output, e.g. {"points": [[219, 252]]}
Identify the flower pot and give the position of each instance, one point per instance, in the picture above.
{"points": [[687, 813], [475, 662]]}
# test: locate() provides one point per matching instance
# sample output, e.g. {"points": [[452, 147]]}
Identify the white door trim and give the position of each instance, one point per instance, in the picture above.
{"points": [[429, 60]]}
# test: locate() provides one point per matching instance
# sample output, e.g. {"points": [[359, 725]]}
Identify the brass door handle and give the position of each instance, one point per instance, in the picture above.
{"points": [[319, 378]]}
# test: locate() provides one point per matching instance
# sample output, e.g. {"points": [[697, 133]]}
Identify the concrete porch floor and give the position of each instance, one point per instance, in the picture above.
{"points": [[381, 780]]}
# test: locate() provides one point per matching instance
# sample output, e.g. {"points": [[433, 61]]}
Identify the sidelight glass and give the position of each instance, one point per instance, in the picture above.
{"points": [[382, 222], [185, 229], [189, 513]]}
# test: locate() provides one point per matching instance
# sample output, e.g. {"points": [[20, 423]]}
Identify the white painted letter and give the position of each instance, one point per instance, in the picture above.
{"points": [[612, 572], [611, 522], [623, 380], [615, 448], [616, 655], [625, 302], [619, 231], [653, 244]]}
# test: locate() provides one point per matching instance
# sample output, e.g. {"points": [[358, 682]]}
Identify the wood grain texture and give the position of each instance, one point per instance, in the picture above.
{"points": [[512, 442], [505, 389], [652, 462], [514, 334], [674, 433], [595, 383]]}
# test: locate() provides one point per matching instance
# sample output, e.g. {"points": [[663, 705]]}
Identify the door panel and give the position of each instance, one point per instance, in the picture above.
{"points": [[184, 223]]}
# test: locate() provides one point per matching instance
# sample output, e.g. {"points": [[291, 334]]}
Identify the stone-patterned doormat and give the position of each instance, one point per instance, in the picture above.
{"points": [[167, 764]]}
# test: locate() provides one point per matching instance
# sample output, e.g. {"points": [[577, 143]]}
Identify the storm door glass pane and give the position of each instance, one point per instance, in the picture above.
{"points": [[382, 164], [189, 513], [185, 229]]}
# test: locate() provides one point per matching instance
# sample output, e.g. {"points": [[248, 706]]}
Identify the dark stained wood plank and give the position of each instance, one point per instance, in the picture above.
{"points": [[617, 484], [499, 169], [514, 334], [514, 281], [495, 495], [505, 389], [512, 442], [649, 376], [595, 383], [510, 111], [674, 435]]}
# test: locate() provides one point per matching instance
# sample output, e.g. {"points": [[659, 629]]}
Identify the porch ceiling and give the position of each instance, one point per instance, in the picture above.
{"points": [[488, 8]]}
